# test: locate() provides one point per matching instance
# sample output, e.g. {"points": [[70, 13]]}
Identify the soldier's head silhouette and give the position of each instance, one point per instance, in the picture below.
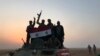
{"points": [[58, 22], [49, 20], [30, 22], [43, 21]]}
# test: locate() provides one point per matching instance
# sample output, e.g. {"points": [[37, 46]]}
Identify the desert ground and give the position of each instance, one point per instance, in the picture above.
{"points": [[4, 52], [73, 51], [82, 52]]}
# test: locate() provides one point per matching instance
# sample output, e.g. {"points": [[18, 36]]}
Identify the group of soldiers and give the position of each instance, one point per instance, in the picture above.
{"points": [[57, 32]]}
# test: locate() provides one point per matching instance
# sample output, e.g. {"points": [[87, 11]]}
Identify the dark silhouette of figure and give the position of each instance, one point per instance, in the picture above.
{"points": [[42, 24], [60, 33], [89, 49], [50, 24], [94, 49], [29, 29], [54, 31], [52, 43]]}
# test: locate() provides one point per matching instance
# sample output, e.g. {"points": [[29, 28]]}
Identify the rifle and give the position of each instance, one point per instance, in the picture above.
{"points": [[39, 17], [39, 14]]}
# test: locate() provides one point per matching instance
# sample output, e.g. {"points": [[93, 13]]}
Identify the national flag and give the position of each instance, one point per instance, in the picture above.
{"points": [[40, 32]]}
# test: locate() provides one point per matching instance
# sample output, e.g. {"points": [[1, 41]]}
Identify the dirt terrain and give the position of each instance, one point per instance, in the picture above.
{"points": [[82, 52], [74, 52]]}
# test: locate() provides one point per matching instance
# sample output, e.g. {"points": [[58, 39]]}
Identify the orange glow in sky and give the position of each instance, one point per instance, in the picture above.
{"points": [[80, 18]]}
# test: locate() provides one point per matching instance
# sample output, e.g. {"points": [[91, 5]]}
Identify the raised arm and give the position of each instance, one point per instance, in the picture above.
{"points": [[39, 15], [34, 21]]}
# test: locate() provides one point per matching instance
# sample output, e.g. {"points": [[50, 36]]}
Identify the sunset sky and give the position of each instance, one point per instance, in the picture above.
{"points": [[80, 19]]}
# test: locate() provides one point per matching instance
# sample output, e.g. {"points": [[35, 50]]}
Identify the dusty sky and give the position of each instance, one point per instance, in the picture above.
{"points": [[80, 18]]}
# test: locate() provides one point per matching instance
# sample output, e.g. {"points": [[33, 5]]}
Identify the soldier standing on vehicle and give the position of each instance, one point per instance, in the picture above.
{"points": [[29, 29], [50, 24], [60, 33], [42, 24]]}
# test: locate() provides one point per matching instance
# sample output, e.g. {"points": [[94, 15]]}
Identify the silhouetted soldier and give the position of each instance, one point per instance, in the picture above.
{"points": [[54, 31], [42, 24], [94, 49], [50, 24], [89, 49], [60, 33], [29, 29], [53, 43]]}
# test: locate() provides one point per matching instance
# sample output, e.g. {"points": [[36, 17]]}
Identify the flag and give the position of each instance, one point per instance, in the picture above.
{"points": [[40, 32]]}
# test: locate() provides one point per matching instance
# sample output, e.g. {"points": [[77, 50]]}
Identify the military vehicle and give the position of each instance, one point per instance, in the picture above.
{"points": [[40, 51], [43, 43], [38, 47]]}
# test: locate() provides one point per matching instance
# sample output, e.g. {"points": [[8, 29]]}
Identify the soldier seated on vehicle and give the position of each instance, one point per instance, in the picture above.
{"points": [[37, 43], [52, 43]]}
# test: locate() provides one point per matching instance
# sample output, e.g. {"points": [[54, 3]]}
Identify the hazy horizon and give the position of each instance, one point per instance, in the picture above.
{"points": [[80, 19]]}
